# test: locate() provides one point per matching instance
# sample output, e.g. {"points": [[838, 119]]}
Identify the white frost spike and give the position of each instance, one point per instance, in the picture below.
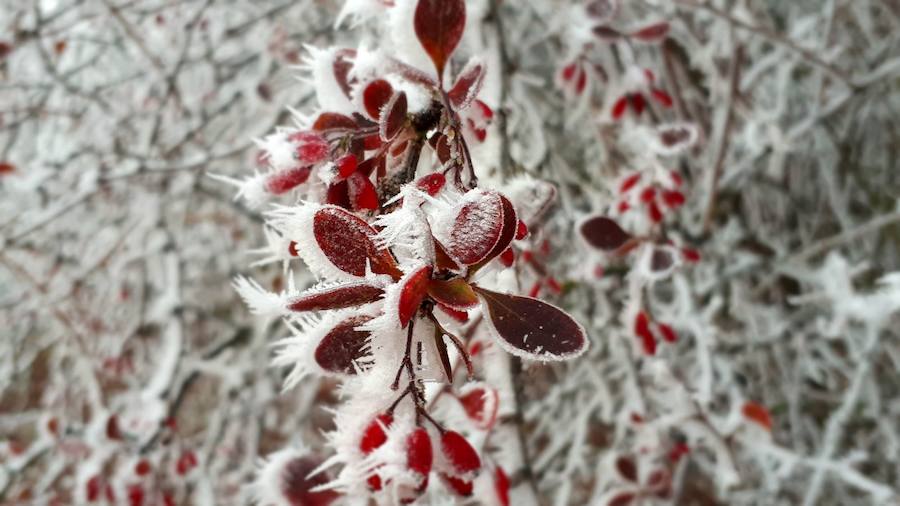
{"points": [[261, 301], [406, 232], [277, 249], [252, 189], [320, 63], [279, 151]]}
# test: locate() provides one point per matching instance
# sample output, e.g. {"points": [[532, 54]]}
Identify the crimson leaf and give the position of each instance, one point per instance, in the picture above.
{"points": [[349, 243], [603, 233], [393, 116], [467, 85], [652, 33], [439, 25], [532, 328], [342, 346], [336, 297], [412, 292], [477, 228], [375, 95], [455, 293]]}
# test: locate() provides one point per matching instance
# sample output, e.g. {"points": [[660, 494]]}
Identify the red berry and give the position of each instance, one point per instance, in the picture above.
{"points": [[673, 198], [374, 435], [135, 495], [418, 452], [432, 183], [459, 453], [691, 255], [142, 468], [648, 195]]}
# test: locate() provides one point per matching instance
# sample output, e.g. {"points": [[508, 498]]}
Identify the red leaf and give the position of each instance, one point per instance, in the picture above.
{"points": [[455, 293], [508, 257], [412, 292], [674, 135], [375, 95], [501, 486], [337, 194], [532, 328], [439, 25], [346, 165], [654, 212], [481, 404], [286, 180], [568, 72], [333, 121], [343, 346], [337, 297], [311, 147], [463, 459], [442, 259], [691, 255], [362, 192], [622, 499], [673, 198], [348, 242], [6, 168], [521, 230], [619, 107], [297, 484], [652, 33], [662, 97], [638, 103], [757, 413], [142, 468], [606, 33], [467, 85], [603, 233], [341, 67], [668, 333], [627, 468], [477, 228], [393, 118]]}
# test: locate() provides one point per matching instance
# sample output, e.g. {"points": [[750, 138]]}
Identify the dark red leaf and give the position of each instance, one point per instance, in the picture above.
{"points": [[652, 33], [337, 195], [455, 293], [297, 484], [532, 328], [346, 165], [375, 95], [477, 229], [627, 468], [442, 259], [335, 297], [333, 121], [439, 25], [662, 97], [623, 499], [362, 192], [463, 459], [394, 117], [603, 233], [286, 180], [606, 33], [508, 257], [412, 293], [619, 107], [341, 67], [467, 85], [349, 242], [661, 260], [629, 183], [343, 346], [668, 333], [6, 168]]}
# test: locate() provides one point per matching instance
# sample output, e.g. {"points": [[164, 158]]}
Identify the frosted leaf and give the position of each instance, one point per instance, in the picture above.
{"points": [[467, 84], [439, 26], [335, 297], [477, 227], [343, 347], [531, 328]]}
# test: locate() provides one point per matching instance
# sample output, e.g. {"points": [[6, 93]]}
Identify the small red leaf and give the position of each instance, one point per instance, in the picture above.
{"points": [[757, 413], [467, 85], [623, 499], [341, 67], [346, 165], [477, 228], [337, 297], [521, 230], [375, 95], [507, 233], [6, 168], [460, 486], [311, 148], [481, 404], [627, 468], [442, 259], [328, 121], [297, 485], [652, 33], [343, 346], [393, 117], [508, 257], [455, 293], [463, 459], [439, 25], [603, 233], [662, 97], [362, 192], [286, 180], [348, 242], [619, 107], [532, 328], [629, 182], [501, 486], [413, 289], [668, 333], [606, 33]]}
